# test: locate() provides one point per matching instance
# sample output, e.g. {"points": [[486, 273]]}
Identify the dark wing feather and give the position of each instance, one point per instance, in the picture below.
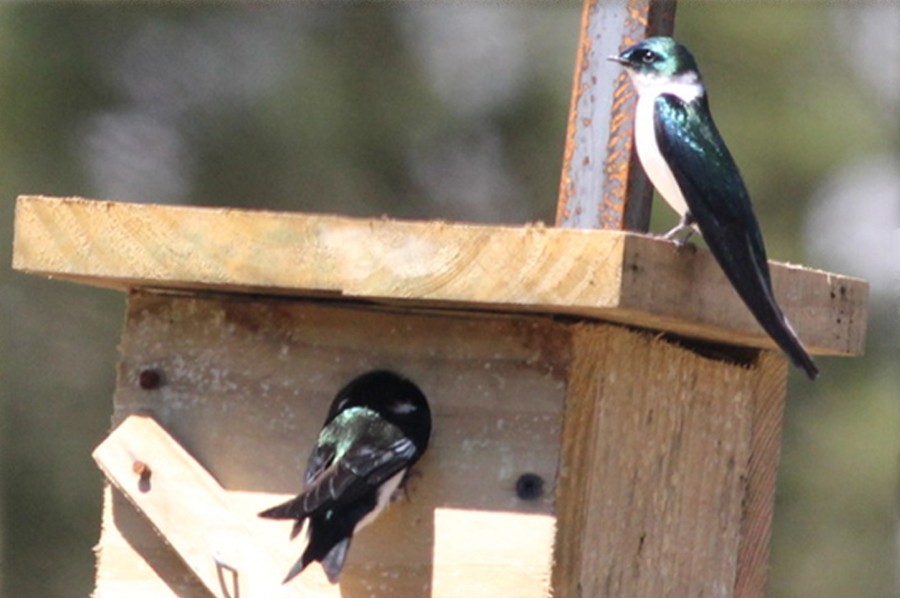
{"points": [[342, 487], [719, 202], [711, 183], [356, 452], [320, 459], [358, 471]]}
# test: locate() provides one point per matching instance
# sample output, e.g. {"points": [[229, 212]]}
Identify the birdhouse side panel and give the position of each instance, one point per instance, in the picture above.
{"points": [[244, 385]]}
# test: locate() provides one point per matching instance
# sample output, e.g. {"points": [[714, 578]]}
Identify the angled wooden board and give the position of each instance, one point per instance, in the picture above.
{"points": [[224, 548], [623, 277]]}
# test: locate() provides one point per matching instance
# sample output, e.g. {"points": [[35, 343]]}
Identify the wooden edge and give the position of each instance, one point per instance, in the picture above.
{"points": [[578, 462], [641, 519], [624, 277], [762, 472], [189, 510]]}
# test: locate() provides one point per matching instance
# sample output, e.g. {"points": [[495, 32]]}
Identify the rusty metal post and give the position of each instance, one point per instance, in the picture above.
{"points": [[602, 184]]}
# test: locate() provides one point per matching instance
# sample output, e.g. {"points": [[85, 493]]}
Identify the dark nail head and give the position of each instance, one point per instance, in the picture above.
{"points": [[143, 472], [150, 379], [530, 486]]}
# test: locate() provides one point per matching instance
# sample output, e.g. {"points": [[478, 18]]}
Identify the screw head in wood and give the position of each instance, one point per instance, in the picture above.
{"points": [[150, 379], [141, 468], [143, 471], [530, 486]]}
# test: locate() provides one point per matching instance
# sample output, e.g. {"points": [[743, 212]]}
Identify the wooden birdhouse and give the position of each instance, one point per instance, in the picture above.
{"points": [[607, 414]]}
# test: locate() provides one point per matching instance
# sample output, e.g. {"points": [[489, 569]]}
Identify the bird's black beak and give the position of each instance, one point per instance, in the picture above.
{"points": [[618, 59]]}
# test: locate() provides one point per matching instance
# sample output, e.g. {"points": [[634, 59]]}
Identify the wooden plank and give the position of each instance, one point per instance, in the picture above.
{"points": [[122, 572], [190, 511], [134, 560], [602, 185], [244, 384], [470, 541], [668, 469], [759, 504], [633, 279]]}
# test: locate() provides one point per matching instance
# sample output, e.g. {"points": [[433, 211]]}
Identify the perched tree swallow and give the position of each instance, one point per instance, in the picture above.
{"points": [[377, 428], [687, 161]]}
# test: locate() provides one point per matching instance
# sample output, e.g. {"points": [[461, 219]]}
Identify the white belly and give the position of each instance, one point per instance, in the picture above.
{"points": [[651, 159], [384, 498]]}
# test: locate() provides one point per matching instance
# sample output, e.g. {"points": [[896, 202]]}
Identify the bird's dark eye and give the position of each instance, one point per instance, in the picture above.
{"points": [[646, 56]]}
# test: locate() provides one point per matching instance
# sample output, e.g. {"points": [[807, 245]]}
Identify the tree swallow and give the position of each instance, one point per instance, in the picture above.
{"points": [[687, 161], [377, 428]]}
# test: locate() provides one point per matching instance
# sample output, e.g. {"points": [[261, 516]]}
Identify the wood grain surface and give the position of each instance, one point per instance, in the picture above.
{"points": [[634, 279]]}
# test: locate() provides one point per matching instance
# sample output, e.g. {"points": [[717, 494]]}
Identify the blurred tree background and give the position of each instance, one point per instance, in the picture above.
{"points": [[448, 110]]}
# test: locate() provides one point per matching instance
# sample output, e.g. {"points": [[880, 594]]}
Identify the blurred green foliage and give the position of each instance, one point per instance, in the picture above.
{"points": [[447, 111]]}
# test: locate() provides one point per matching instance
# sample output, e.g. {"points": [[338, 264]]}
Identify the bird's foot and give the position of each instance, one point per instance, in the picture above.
{"points": [[678, 236], [682, 232]]}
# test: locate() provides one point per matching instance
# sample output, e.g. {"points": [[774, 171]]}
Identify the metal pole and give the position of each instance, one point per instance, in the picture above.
{"points": [[602, 184]]}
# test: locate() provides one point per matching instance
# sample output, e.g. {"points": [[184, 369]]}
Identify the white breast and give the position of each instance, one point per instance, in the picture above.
{"points": [[652, 160], [687, 87], [385, 493]]}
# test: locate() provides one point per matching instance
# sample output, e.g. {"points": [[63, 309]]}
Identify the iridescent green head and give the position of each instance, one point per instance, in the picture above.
{"points": [[658, 57]]}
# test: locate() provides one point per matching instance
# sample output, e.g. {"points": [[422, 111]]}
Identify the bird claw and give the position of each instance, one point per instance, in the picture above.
{"points": [[680, 242], [684, 225]]}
